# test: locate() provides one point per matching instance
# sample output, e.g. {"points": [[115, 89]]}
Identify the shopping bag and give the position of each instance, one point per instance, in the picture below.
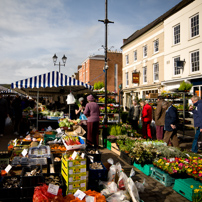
{"points": [[8, 121], [82, 117]]}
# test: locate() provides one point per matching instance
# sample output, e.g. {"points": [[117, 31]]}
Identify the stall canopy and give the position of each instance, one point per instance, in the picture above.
{"points": [[51, 83]]}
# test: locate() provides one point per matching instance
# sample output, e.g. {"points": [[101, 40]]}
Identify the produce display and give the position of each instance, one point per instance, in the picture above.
{"points": [[96, 166], [67, 122]]}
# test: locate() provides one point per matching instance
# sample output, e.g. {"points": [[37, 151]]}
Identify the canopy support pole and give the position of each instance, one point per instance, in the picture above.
{"points": [[37, 118]]}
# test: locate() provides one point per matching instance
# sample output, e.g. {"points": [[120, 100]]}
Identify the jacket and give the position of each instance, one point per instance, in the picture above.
{"points": [[197, 114], [146, 113], [134, 112], [160, 114], [171, 117], [92, 112]]}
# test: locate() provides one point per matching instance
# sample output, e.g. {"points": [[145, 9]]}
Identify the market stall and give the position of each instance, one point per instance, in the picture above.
{"points": [[50, 84]]}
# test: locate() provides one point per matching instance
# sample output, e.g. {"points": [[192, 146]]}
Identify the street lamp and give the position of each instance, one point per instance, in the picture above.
{"points": [[64, 59]]}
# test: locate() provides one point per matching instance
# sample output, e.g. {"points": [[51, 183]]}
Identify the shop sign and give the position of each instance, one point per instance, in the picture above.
{"points": [[135, 77]]}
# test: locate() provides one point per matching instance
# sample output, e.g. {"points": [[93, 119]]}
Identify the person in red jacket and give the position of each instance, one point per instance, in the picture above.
{"points": [[146, 119]]}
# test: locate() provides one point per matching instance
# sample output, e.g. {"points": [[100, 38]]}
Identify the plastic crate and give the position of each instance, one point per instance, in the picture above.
{"points": [[126, 158], [182, 186], [26, 199], [8, 193], [42, 151], [10, 200], [61, 181], [26, 192], [146, 169], [100, 174], [31, 181], [162, 177]]}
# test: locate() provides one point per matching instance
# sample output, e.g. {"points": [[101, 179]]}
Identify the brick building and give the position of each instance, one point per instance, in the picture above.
{"points": [[91, 70]]}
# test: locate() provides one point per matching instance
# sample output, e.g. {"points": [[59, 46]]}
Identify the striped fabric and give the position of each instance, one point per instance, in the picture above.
{"points": [[50, 79]]}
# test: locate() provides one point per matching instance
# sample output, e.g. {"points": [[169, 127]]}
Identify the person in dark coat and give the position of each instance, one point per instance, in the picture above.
{"points": [[134, 114], [160, 113], [146, 119], [171, 121], [92, 113], [3, 114], [197, 114], [17, 114]]}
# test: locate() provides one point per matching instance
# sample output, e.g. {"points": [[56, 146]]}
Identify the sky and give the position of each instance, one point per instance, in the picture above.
{"points": [[32, 31]]}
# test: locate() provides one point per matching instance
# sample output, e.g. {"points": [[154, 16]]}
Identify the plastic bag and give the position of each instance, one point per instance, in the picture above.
{"points": [[110, 188], [112, 170], [131, 188], [122, 181], [153, 124], [120, 196], [141, 186], [8, 121], [82, 117]]}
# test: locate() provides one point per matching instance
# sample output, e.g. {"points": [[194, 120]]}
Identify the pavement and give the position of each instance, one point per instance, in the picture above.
{"points": [[154, 192]]}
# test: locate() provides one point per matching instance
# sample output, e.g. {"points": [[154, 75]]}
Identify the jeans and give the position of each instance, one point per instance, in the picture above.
{"points": [[195, 142]]}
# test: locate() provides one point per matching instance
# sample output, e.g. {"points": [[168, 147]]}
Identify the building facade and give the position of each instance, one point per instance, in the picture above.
{"points": [[144, 69], [183, 42], [91, 70]]}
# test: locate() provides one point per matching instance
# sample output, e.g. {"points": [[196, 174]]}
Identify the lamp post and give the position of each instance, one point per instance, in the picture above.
{"points": [[64, 59], [106, 22]]}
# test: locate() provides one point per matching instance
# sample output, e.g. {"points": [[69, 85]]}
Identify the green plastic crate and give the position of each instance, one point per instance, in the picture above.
{"points": [[146, 169], [183, 187], [162, 177], [107, 144]]}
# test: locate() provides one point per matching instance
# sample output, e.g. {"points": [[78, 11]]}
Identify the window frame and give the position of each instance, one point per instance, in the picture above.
{"points": [[175, 66], [177, 35], [196, 51], [144, 75], [157, 63], [155, 45], [127, 79], [197, 26], [145, 46], [135, 55], [127, 59]]}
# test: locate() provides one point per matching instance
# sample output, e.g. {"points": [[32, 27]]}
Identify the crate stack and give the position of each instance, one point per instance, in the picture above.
{"points": [[74, 174]]}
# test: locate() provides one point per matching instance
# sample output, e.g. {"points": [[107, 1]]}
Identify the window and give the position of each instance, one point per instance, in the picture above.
{"points": [[156, 71], [195, 25], [127, 59], [195, 61], [144, 74], [135, 55], [156, 46], [176, 33], [176, 69], [145, 51], [127, 80]]}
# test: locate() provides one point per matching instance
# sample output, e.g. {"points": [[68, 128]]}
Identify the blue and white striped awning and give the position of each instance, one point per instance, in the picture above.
{"points": [[49, 82]]}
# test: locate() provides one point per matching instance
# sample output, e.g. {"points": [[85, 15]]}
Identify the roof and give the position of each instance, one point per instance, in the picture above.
{"points": [[160, 19]]}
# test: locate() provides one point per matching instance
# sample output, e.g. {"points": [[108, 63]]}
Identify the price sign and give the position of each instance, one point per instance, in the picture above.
{"points": [[79, 194], [24, 152], [74, 155], [7, 169], [53, 189]]}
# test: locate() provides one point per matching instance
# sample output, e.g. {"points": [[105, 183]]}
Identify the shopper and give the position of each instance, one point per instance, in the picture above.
{"points": [[3, 114], [146, 119], [197, 114], [80, 109], [92, 112], [171, 121], [160, 113], [17, 113], [134, 114]]}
